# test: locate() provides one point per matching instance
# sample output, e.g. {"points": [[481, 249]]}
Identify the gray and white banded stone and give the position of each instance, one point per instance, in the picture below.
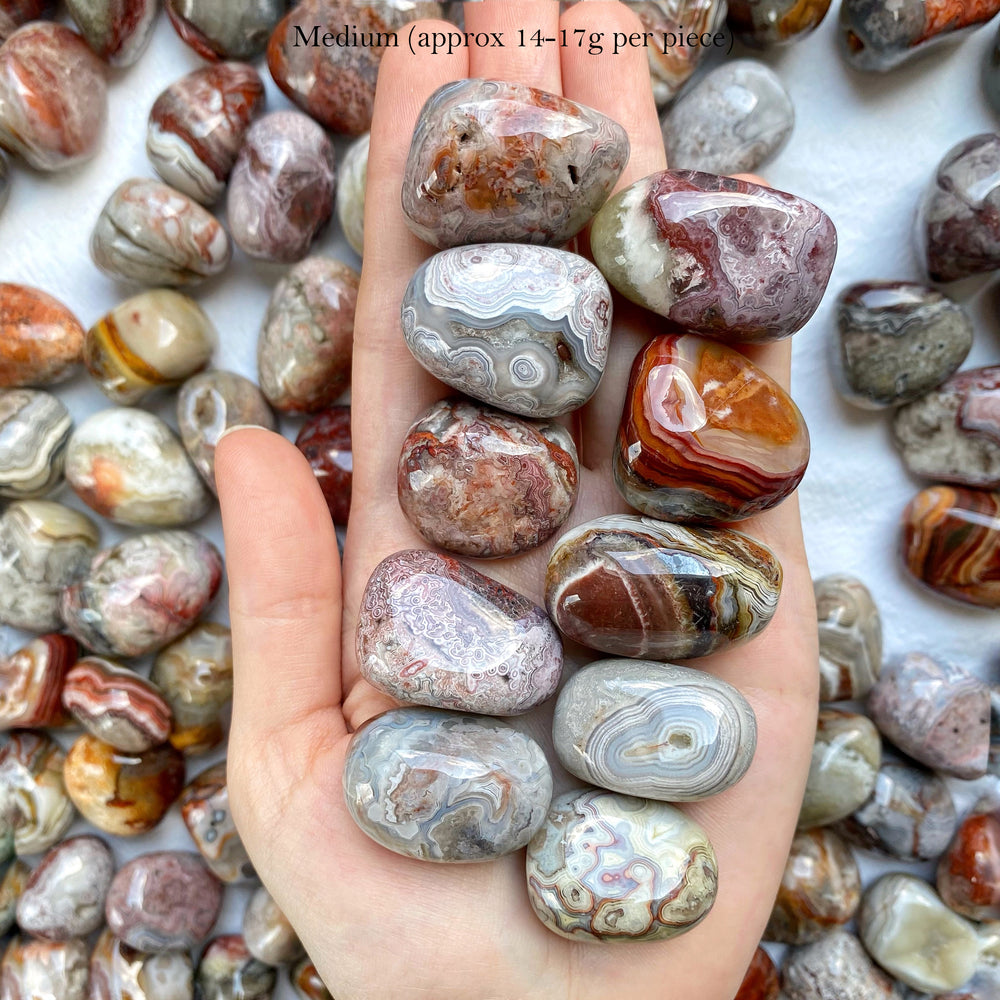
{"points": [[834, 968], [351, 188], [33, 969], [269, 936], [34, 431], [850, 638]]}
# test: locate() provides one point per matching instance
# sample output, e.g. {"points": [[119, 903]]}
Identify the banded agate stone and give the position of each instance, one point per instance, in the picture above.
{"points": [[633, 586], [31, 680], [764, 23], [836, 966], [522, 328], [850, 637], [15, 878], [705, 435], [968, 874], [351, 190], [438, 786], [227, 971], [116, 30], [325, 440], [495, 162], [41, 341], [609, 867], [118, 971], [306, 981], [205, 808], [718, 256], [34, 968], [35, 428], [761, 979], [221, 29], [268, 934]]}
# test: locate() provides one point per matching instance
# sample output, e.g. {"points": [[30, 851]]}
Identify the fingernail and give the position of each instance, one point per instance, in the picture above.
{"points": [[238, 427]]}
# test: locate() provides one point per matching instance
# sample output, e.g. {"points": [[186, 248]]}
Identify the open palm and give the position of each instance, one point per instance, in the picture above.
{"points": [[379, 926]]}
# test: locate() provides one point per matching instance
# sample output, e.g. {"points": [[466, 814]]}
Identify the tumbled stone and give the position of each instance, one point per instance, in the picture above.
{"points": [[119, 972], [122, 793], [196, 127], [211, 403], [41, 341], [151, 341], [64, 898], [968, 874], [351, 188], [846, 756], [763, 23], [142, 908], [910, 815], [952, 434], [482, 483], [706, 435], [14, 13], [335, 84], [307, 337], [325, 440], [269, 936], [522, 328], [116, 30], [205, 809], [654, 730], [820, 889], [15, 878], [718, 256], [495, 162], [6, 842], [937, 713], [44, 970], [143, 593], [227, 971], [733, 120], [34, 431], [761, 980], [53, 97], [433, 631], [4, 181], [991, 75], [131, 468], [914, 936], [850, 638], [222, 29], [33, 796], [150, 234], [281, 188], [633, 586], [31, 680], [834, 968], [608, 867], [116, 705], [307, 983], [993, 765]]}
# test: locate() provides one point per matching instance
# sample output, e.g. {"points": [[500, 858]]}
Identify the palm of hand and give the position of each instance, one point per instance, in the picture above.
{"points": [[380, 926]]}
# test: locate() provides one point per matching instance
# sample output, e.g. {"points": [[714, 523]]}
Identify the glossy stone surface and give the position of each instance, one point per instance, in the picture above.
{"points": [[522, 328], [116, 705], [325, 440], [895, 341], [195, 674], [142, 908], [820, 889], [41, 341], [763, 23], [64, 898], [910, 815], [281, 188], [336, 84], [306, 339], [142, 594], [15, 878], [150, 234], [351, 188], [197, 125], [211, 403], [914, 936], [850, 637], [4, 181], [153, 340], [224, 29], [951, 543], [307, 983], [706, 435], [53, 97], [205, 808], [31, 680], [733, 120], [937, 713], [761, 980], [609, 867], [481, 483], [433, 631], [33, 797], [44, 970], [968, 875], [227, 971], [122, 793], [653, 730], [116, 30], [834, 968], [14, 13], [34, 431], [846, 757], [119, 972], [269, 936], [633, 586], [131, 468], [495, 162], [952, 434], [718, 256]]}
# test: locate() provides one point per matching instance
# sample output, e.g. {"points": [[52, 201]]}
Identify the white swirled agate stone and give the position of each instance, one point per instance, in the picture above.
{"points": [[654, 730], [523, 328]]}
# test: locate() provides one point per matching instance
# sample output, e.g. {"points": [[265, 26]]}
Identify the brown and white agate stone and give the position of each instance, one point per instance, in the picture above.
{"points": [[31, 681]]}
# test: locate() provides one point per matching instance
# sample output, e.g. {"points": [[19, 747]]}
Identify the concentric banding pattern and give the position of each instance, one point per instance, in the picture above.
{"points": [[34, 430]]}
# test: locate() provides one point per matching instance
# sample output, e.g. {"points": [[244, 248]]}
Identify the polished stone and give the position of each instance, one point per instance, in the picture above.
{"points": [[482, 483], [44, 970], [502, 162], [718, 256], [224, 29], [325, 440], [31, 680], [632, 586], [14, 13], [227, 971], [119, 972], [834, 968], [306, 981], [204, 806], [608, 867], [522, 328], [41, 341], [15, 878], [968, 875], [654, 730], [4, 181], [706, 435], [116, 30], [850, 637], [351, 188], [34, 430], [269, 936], [991, 82], [761, 979], [765, 23]]}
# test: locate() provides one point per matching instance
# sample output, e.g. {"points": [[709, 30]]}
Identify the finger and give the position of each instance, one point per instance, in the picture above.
{"points": [[524, 27]]}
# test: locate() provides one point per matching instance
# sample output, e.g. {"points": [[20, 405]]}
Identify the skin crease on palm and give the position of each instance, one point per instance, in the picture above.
{"points": [[379, 926]]}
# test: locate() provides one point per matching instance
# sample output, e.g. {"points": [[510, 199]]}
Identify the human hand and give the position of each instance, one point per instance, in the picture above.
{"points": [[379, 926]]}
